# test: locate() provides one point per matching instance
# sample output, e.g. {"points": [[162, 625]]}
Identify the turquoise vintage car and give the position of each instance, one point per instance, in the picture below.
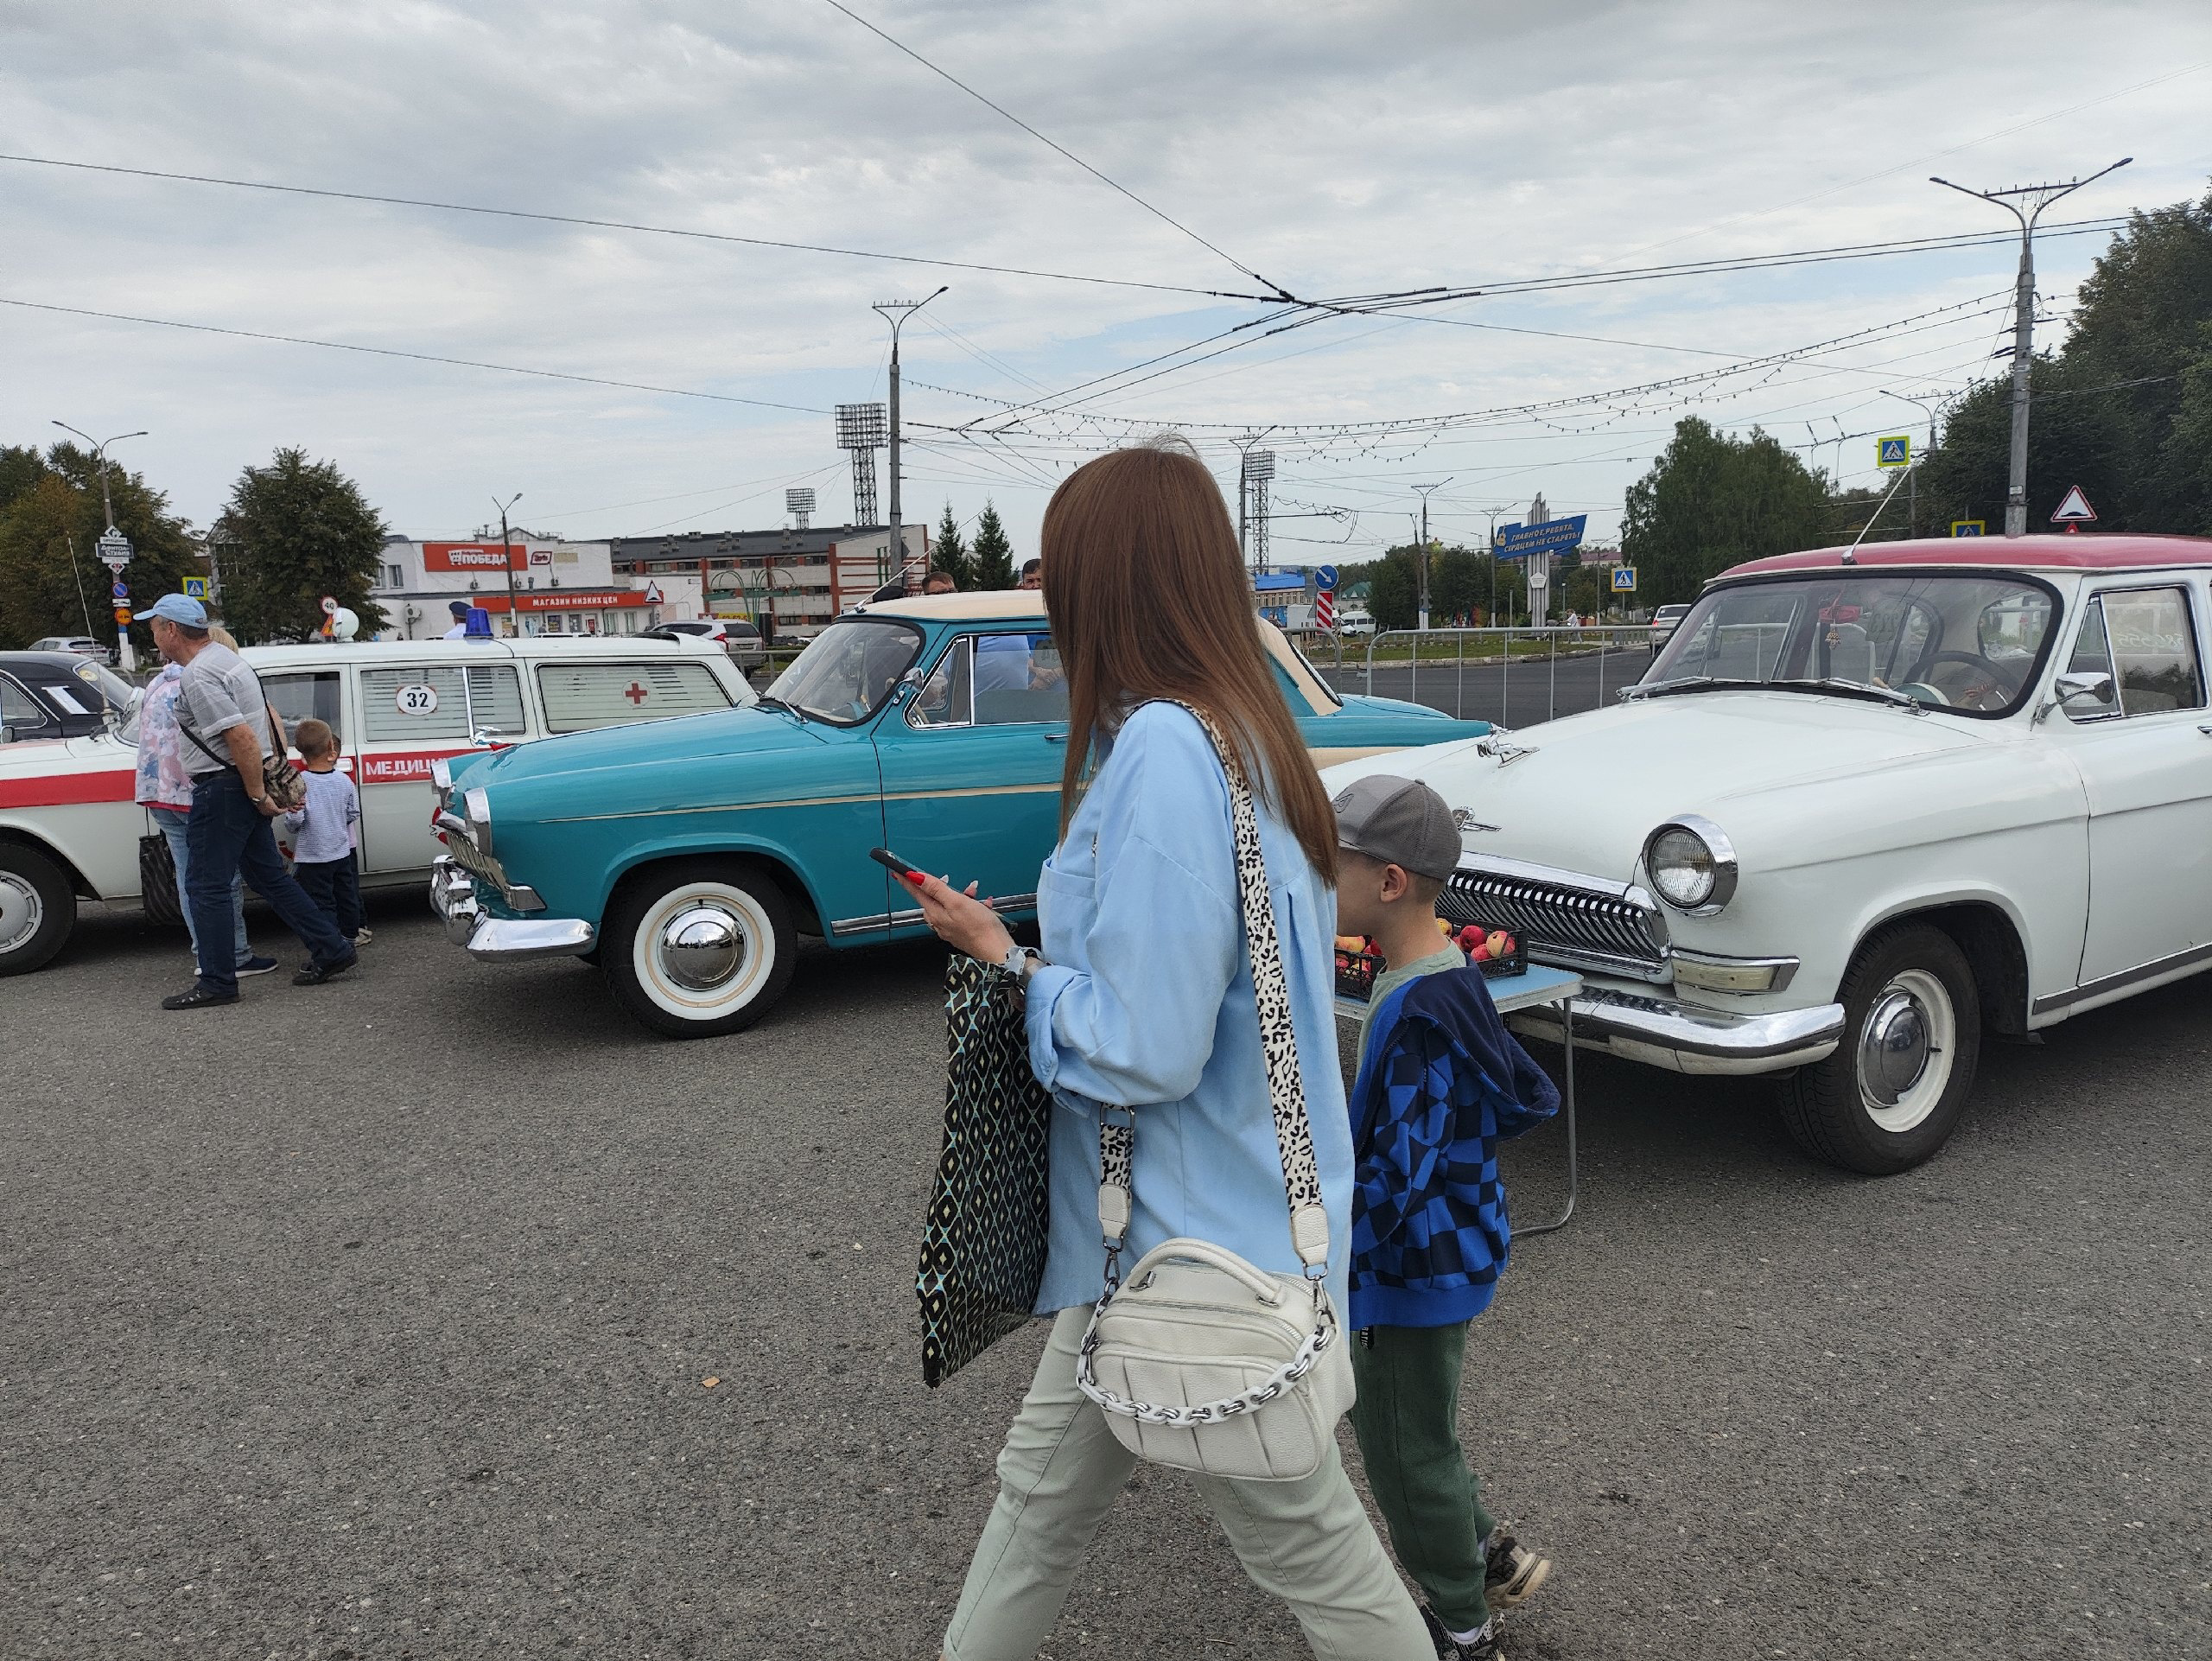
{"points": [[690, 856]]}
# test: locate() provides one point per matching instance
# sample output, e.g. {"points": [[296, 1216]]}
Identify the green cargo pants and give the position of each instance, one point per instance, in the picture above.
{"points": [[1308, 1542], [1407, 1422]]}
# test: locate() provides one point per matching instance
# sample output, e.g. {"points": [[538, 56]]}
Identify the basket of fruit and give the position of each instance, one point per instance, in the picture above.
{"points": [[1493, 951]]}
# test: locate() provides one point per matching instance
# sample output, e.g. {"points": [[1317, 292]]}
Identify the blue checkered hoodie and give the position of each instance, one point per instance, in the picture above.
{"points": [[1441, 1083]]}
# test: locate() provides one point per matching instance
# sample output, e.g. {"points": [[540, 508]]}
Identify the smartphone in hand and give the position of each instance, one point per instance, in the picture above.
{"points": [[895, 865]]}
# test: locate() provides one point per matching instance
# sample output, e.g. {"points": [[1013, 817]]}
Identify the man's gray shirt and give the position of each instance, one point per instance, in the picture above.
{"points": [[217, 692]]}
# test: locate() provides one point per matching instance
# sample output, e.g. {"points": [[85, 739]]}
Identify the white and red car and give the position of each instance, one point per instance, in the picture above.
{"points": [[69, 827]]}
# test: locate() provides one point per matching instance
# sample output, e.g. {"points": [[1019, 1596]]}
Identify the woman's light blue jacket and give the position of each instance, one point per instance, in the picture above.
{"points": [[1147, 1003]]}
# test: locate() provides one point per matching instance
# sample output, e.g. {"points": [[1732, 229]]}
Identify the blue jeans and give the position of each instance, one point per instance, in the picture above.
{"points": [[172, 822], [229, 837]]}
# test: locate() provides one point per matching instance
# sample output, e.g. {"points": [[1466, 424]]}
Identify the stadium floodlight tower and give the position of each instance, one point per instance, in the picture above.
{"points": [[862, 429], [1259, 467], [799, 504]]}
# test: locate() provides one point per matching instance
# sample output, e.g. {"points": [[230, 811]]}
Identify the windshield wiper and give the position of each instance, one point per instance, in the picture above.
{"points": [[1659, 689], [763, 702], [1857, 689]]}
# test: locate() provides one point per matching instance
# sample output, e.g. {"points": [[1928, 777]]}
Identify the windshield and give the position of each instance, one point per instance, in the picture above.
{"points": [[1970, 643], [848, 670]]}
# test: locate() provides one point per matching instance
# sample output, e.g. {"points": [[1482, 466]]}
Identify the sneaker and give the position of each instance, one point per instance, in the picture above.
{"points": [[255, 966], [360, 936], [200, 997], [1514, 1573], [1482, 1647], [315, 974]]}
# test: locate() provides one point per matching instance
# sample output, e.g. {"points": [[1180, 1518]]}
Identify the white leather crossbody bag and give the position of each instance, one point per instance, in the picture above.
{"points": [[1202, 1360]]}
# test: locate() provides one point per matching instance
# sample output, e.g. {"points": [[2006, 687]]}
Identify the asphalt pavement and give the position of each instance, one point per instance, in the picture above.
{"points": [[378, 1320], [1516, 694]]}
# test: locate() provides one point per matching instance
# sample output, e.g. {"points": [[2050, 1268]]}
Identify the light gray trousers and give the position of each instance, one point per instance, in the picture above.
{"points": [[1307, 1542]]}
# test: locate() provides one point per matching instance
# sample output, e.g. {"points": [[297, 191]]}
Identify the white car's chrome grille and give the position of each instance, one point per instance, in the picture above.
{"points": [[1563, 919]]}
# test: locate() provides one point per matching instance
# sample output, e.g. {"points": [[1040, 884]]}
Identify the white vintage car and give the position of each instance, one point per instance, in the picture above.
{"points": [[69, 827], [1866, 807]]}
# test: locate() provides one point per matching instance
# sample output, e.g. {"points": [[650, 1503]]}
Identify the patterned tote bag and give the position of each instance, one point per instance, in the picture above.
{"points": [[982, 1256]]}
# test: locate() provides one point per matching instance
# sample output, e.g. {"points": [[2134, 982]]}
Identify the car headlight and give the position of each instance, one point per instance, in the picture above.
{"points": [[479, 803], [1692, 863]]}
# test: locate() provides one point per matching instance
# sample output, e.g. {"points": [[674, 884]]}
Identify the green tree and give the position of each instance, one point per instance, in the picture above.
{"points": [[50, 516], [292, 533], [950, 554], [992, 554], [1712, 502], [1393, 597]]}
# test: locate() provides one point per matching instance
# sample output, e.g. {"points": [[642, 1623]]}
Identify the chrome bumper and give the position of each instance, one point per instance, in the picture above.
{"points": [[505, 940], [1688, 1038]]}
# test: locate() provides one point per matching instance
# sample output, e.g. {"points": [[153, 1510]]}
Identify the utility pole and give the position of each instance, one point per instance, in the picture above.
{"points": [[507, 559], [125, 658], [2033, 199], [1420, 562], [1912, 481], [896, 312]]}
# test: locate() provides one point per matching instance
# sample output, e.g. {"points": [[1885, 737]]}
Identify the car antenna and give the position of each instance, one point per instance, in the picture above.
{"points": [[1850, 554]]}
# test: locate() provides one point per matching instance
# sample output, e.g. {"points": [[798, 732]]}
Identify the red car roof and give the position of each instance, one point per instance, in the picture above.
{"points": [[2084, 551]]}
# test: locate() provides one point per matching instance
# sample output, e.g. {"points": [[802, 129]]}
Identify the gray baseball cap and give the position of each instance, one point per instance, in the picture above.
{"points": [[1398, 822]]}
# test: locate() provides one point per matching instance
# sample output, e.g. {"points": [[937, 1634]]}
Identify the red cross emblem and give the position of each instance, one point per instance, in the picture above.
{"points": [[635, 694]]}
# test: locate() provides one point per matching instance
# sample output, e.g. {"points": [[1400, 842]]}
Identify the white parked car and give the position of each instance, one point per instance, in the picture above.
{"points": [[82, 646], [1864, 809], [69, 827], [1355, 623]]}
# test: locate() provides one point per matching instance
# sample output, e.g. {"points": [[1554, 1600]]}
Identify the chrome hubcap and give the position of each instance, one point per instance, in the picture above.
{"points": [[1892, 1047], [701, 947], [20, 911]]}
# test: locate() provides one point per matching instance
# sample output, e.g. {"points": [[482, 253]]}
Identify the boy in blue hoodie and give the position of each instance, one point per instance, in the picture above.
{"points": [[1440, 1083]]}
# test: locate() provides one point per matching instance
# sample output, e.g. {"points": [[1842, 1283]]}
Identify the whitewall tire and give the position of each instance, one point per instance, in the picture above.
{"points": [[698, 946]]}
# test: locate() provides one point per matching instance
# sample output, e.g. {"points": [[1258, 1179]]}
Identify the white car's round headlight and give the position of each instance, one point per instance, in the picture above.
{"points": [[1692, 863]]}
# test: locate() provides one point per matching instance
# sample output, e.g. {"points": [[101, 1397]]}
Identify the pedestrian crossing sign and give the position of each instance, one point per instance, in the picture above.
{"points": [[1969, 527], [196, 588], [1623, 579], [1895, 451]]}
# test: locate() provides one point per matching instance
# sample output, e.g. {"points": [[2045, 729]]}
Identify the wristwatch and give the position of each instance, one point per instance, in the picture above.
{"points": [[1019, 962]]}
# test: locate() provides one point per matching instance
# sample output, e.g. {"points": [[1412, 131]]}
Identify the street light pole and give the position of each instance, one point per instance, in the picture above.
{"points": [[125, 658], [2037, 198], [1912, 482], [1421, 564], [896, 312], [507, 559]]}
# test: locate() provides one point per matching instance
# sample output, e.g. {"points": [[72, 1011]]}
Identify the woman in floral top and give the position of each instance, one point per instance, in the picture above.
{"points": [[165, 791]]}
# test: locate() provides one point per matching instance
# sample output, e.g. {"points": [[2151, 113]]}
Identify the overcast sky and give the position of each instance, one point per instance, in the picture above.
{"points": [[1333, 150]]}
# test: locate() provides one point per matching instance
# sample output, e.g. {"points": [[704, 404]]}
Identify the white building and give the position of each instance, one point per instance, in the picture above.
{"points": [[789, 581], [558, 587]]}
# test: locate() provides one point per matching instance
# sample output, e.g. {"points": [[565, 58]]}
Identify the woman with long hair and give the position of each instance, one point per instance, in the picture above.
{"points": [[1144, 1001]]}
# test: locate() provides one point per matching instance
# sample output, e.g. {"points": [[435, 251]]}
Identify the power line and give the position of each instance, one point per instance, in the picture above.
{"points": [[625, 224], [1280, 293], [417, 357]]}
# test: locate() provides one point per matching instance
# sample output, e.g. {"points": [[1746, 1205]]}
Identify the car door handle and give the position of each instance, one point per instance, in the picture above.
{"points": [[2205, 727], [1062, 738]]}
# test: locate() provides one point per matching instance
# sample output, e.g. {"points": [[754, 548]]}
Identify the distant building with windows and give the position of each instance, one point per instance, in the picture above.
{"points": [[789, 582], [559, 587]]}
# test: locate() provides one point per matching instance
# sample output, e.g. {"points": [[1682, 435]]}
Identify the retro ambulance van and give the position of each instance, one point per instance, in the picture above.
{"points": [[69, 827]]}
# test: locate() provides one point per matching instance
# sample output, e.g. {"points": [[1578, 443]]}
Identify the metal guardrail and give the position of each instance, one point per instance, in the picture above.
{"points": [[1491, 674]]}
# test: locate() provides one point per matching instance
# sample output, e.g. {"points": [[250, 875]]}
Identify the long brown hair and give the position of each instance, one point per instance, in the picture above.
{"points": [[1148, 599]]}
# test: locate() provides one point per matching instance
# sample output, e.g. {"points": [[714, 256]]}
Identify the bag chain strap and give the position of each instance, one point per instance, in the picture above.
{"points": [[1309, 1223]]}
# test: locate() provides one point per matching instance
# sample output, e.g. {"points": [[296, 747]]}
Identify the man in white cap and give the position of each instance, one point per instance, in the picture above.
{"points": [[230, 736]]}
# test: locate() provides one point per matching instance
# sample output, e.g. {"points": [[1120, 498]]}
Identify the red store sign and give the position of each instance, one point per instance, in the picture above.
{"points": [[474, 556], [563, 600]]}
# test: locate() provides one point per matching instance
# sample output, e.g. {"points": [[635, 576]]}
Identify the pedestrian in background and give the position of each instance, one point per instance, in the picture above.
{"points": [[230, 735], [325, 832], [1147, 1004], [1440, 1083], [458, 610], [1033, 574], [164, 790]]}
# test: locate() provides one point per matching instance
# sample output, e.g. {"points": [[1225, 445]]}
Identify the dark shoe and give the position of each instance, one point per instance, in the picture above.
{"points": [[316, 973], [200, 997], [1482, 1647], [255, 966], [1514, 1573]]}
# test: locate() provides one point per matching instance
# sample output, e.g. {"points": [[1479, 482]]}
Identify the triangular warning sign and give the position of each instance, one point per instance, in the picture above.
{"points": [[653, 594], [2075, 506]]}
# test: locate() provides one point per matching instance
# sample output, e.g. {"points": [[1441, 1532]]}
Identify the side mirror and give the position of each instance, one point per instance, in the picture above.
{"points": [[2092, 688], [7, 735]]}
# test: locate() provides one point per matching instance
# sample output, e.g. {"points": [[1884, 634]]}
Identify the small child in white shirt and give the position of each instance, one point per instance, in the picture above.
{"points": [[324, 834]]}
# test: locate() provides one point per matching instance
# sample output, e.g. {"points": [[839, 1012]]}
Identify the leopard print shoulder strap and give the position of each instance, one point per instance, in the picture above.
{"points": [[1309, 1219]]}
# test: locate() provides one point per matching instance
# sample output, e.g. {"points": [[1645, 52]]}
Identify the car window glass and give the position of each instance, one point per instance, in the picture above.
{"points": [[582, 696], [947, 698], [2153, 651], [18, 707], [1738, 640], [421, 701], [495, 699], [297, 696], [848, 670], [1019, 680]]}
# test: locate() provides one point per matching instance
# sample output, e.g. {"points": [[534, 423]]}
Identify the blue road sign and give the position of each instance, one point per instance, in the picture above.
{"points": [[1553, 537], [1968, 527], [1893, 452], [1324, 576], [196, 588], [1623, 579], [121, 592]]}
